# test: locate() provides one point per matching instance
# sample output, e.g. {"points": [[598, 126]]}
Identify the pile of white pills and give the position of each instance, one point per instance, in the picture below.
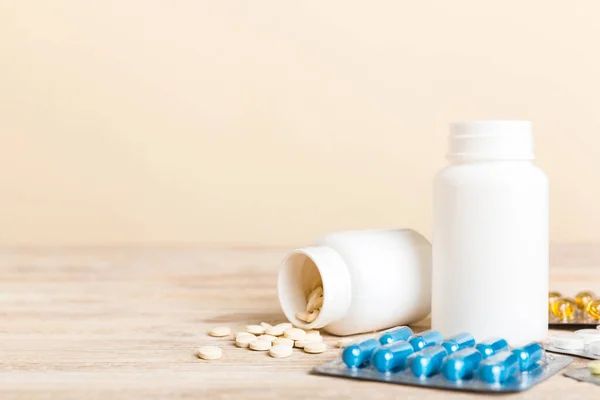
{"points": [[314, 302], [279, 340]]}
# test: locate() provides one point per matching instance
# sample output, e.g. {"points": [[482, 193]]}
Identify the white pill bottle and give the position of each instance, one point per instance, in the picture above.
{"points": [[371, 280], [490, 235]]}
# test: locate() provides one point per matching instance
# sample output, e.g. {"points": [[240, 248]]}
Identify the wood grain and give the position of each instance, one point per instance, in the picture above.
{"points": [[126, 323]]}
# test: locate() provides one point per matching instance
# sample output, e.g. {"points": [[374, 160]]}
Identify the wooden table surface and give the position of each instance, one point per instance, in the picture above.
{"points": [[126, 323]]}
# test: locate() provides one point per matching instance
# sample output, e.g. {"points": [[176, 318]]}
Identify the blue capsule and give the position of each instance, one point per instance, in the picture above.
{"points": [[529, 356], [427, 362], [357, 355], [458, 342], [396, 334], [462, 364], [499, 368], [391, 356], [426, 339], [490, 347]]}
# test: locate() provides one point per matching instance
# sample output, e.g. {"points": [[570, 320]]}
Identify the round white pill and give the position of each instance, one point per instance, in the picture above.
{"points": [[308, 338], [209, 352], [278, 330], [244, 340], [588, 335], [255, 329], [265, 325], [315, 347], [314, 304], [567, 341], [294, 333], [314, 336], [280, 351], [284, 342], [260, 345], [303, 342], [275, 331], [220, 331], [594, 348], [312, 316], [238, 334], [302, 315], [269, 338], [314, 294]]}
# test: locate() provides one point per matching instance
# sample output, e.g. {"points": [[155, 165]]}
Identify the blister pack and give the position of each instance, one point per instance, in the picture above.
{"points": [[456, 363], [582, 343], [590, 374], [582, 311]]}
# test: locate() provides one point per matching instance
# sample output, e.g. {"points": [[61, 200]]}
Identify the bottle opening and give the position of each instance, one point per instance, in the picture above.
{"points": [[298, 278], [305, 270]]}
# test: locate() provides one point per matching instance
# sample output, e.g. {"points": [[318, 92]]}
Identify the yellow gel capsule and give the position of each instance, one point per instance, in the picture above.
{"points": [[593, 309], [552, 297], [583, 298], [564, 308]]}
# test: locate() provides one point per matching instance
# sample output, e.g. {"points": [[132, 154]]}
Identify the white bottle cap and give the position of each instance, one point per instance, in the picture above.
{"points": [[567, 341], [300, 270], [490, 140]]}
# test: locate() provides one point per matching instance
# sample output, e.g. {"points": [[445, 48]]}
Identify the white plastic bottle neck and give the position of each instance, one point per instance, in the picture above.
{"points": [[481, 141], [302, 271]]}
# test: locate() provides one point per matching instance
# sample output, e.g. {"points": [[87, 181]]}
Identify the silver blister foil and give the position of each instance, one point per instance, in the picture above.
{"points": [[548, 366]]}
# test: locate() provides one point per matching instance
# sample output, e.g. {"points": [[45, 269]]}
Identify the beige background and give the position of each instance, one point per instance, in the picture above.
{"points": [[271, 122]]}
